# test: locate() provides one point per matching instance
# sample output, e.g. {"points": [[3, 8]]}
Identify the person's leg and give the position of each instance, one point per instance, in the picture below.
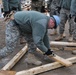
{"points": [[12, 35], [22, 40], [71, 28], [74, 32], [31, 59], [64, 18], [53, 12]]}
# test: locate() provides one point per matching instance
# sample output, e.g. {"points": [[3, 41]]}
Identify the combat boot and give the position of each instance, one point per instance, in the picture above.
{"points": [[60, 37], [64, 35], [22, 40], [70, 38], [31, 59], [54, 33]]}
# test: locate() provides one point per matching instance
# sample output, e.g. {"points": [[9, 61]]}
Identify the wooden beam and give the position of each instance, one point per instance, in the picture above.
{"points": [[15, 59], [62, 43], [69, 48], [3, 72], [59, 59], [63, 48], [39, 69], [44, 68]]}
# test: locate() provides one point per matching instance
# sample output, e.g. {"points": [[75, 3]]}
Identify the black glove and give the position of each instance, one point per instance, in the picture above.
{"points": [[49, 52], [6, 13], [70, 16], [58, 9], [75, 20], [74, 17], [14, 8]]}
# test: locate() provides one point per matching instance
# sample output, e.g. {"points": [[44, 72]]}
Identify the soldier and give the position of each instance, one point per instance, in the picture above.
{"points": [[36, 5], [34, 27], [64, 15], [54, 10], [54, 7], [73, 21], [12, 6]]}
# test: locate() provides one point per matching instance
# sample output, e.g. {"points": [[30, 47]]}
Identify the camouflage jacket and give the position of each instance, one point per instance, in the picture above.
{"points": [[73, 8], [9, 4]]}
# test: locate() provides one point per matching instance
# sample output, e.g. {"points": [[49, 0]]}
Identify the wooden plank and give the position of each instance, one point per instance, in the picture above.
{"points": [[62, 43], [15, 59], [69, 48], [63, 48], [59, 59], [44, 68], [39, 69], [3, 72]]}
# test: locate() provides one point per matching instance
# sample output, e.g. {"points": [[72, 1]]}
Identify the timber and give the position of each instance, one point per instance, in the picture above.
{"points": [[54, 43], [39, 69], [15, 59], [44, 68], [59, 59], [69, 48]]}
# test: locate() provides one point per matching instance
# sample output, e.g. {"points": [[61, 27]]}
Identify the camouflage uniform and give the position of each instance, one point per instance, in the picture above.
{"points": [[54, 7], [11, 5], [36, 5], [64, 14], [12, 36], [73, 21], [8, 5], [33, 26], [73, 17]]}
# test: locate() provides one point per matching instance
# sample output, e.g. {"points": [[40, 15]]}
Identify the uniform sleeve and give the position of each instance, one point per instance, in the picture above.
{"points": [[5, 5], [73, 8], [46, 41], [19, 6], [60, 4], [39, 36]]}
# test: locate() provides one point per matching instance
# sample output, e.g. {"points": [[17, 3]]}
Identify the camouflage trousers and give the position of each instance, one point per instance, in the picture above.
{"points": [[53, 12], [64, 15], [73, 23], [12, 36]]}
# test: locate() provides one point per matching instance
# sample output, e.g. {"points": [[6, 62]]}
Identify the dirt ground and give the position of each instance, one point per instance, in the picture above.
{"points": [[22, 65]]}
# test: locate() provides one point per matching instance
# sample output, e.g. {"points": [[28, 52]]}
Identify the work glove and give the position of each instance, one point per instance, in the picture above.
{"points": [[14, 9], [58, 9], [73, 17], [49, 52], [6, 13], [70, 16]]}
